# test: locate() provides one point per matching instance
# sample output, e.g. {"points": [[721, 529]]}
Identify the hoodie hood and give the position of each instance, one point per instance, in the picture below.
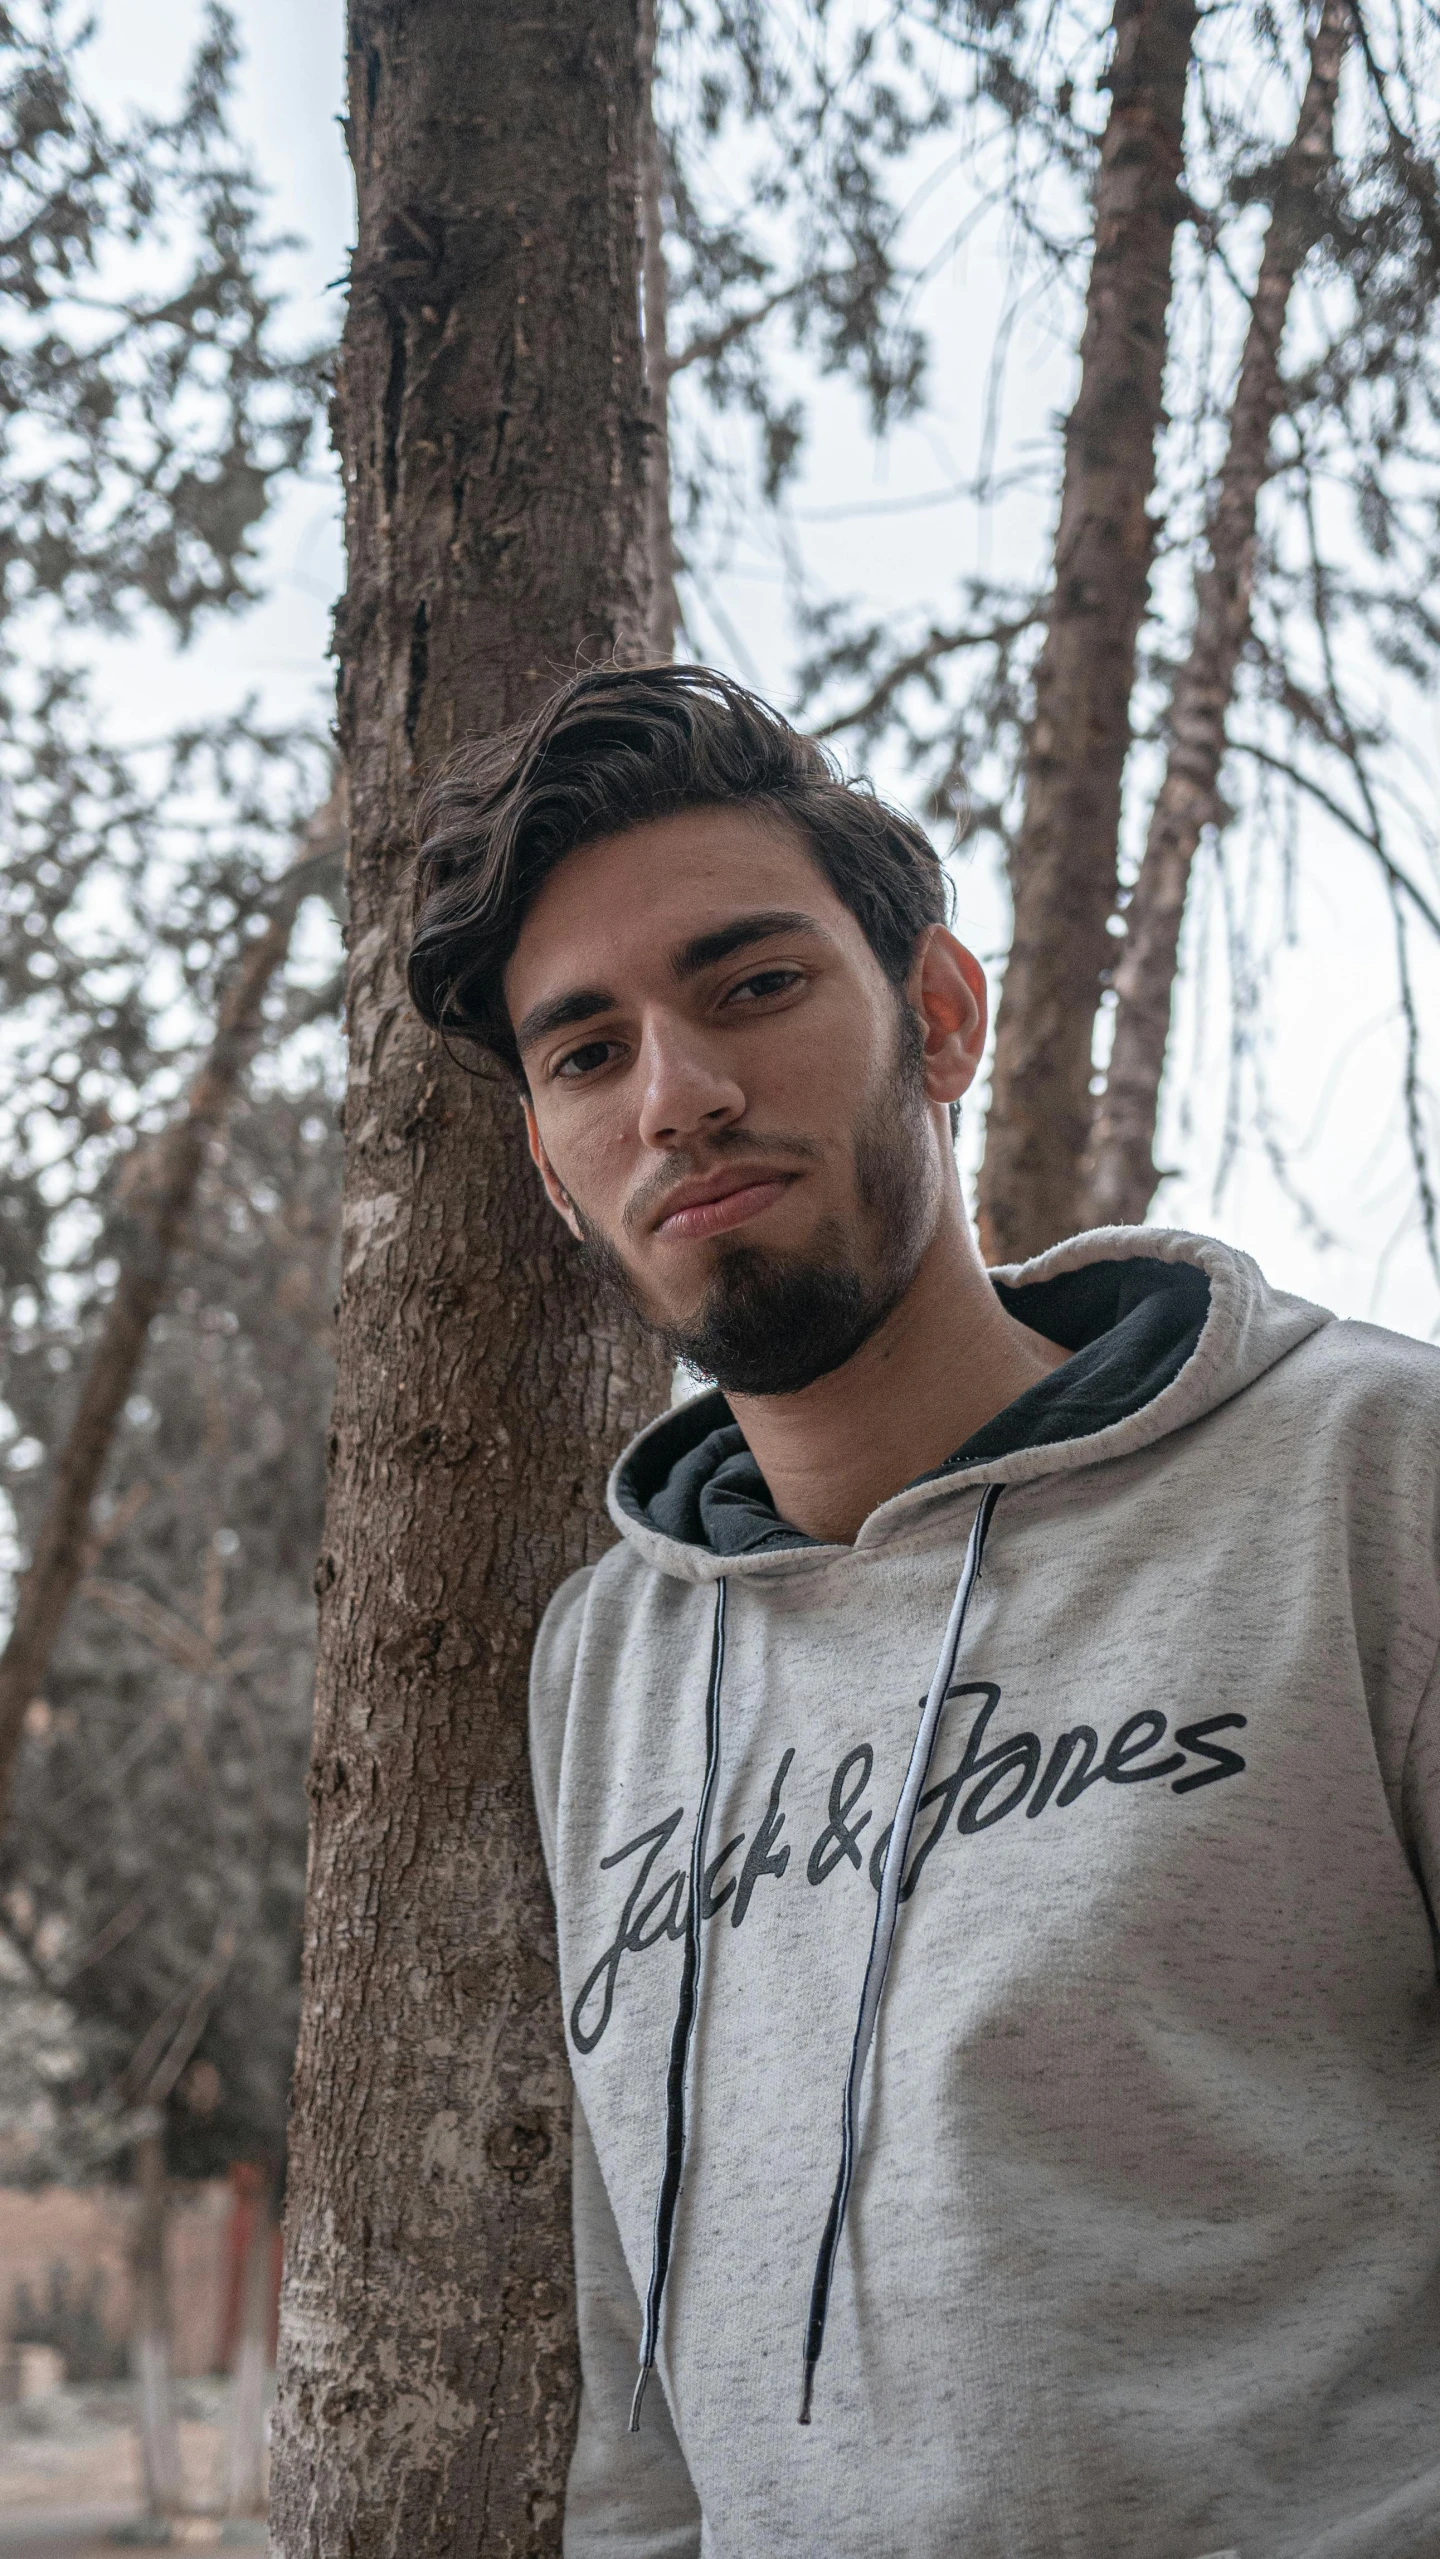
{"points": [[1162, 1327]]}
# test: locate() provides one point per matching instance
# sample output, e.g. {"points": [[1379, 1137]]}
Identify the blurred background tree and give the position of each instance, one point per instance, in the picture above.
{"points": [[152, 1869]]}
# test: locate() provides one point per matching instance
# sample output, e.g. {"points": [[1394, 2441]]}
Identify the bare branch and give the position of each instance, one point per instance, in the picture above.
{"points": [[1063, 868], [662, 605], [1123, 1172], [159, 1193], [160, 1627], [937, 644], [717, 342], [161, 2055], [120, 1925], [1414, 1121], [1292, 773]]}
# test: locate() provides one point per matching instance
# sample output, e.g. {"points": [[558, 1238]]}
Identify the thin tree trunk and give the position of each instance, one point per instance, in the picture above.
{"points": [[150, 2331], [1123, 1172], [250, 2364], [662, 619], [1063, 869], [158, 1196], [491, 416]]}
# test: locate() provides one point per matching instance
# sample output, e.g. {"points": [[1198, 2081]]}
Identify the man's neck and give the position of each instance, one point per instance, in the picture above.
{"points": [[945, 1361]]}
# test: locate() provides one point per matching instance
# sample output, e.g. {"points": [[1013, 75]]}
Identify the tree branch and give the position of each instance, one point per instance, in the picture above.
{"points": [[1063, 867], [1414, 1118], [158, 1193], [154, 2067], [717, 342], [662, 605], [1122, 1171], [1397, 878], [159, 1627], [936, 645]]}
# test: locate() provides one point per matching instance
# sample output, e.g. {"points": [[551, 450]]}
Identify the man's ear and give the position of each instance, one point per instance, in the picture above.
{"points": [[947, 989], [559, 1197]]}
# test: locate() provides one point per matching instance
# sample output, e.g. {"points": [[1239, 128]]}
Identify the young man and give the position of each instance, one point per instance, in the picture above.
{"points": [[992, 1788]]}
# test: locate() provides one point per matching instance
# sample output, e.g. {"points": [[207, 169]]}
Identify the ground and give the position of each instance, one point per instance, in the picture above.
{"points": [[70, 2478]]}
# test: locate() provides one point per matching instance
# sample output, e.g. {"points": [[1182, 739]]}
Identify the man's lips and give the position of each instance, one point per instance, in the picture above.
{"points": [[725, 1201]]}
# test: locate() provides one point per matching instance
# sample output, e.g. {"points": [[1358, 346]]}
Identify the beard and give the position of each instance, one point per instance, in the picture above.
{"points": [[770, 1323]]}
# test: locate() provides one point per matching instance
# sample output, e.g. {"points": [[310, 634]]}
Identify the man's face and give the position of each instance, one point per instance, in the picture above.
{"points": [[728, 1099]]}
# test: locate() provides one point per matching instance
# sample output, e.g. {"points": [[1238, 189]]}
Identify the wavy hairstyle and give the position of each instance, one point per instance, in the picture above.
{"points": [[613, 748]]}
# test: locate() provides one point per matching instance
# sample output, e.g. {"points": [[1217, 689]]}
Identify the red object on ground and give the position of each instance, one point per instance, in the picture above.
{"points": [[248, 2193]]}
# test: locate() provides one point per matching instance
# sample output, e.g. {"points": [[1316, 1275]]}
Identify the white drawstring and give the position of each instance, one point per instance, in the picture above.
{"points": [[887, 1912], [686, 2011]]}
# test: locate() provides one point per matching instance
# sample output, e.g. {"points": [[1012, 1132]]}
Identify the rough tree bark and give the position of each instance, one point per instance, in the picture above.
{"points": [[1063, 869], [158, 1195], [491, 415], [1123, 1172], [663, 618]]}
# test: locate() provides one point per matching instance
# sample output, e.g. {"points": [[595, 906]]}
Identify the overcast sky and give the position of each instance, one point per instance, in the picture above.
{"points": [[870, 524]]}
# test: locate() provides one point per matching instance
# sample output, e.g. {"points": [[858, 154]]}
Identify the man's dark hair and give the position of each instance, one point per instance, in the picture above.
{"points": [[613, 748]]}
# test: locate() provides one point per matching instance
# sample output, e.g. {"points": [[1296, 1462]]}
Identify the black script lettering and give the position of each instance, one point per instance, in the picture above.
{"points": [[1081, 1737], [624, 1941], [824, 1859], [1021, 1753], [1228, 1763], [710, 1900], [1019, 1756], [670, 1903], [1128, 1745], [944, 1795], [758, 1860]]}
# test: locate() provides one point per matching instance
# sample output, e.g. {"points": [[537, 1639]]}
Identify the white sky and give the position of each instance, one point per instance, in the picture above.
{"points": [[1328, 1027]]}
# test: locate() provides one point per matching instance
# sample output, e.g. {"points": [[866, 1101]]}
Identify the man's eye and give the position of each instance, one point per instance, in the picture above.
{"points": [[585, 1061], [765, 982]]}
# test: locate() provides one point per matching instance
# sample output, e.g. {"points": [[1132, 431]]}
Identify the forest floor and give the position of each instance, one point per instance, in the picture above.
{"points": [[70, 2472]]}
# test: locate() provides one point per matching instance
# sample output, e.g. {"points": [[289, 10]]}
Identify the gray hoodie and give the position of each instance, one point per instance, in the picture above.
{"points": [[1140, 2250]]}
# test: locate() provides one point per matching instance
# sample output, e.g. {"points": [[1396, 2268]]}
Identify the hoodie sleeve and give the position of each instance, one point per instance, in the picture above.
{"points": [[1420, 1795], [629, 2496], [552, 1669]]}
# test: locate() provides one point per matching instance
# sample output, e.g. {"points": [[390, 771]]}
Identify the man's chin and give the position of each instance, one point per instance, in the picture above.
{"points": [[767, 1323], [768, 1319], [676, 1317]]}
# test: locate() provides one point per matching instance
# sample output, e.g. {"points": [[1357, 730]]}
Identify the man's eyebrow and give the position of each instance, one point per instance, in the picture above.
{"points": [[582, 1003], [561, 1013], [707, 949]]}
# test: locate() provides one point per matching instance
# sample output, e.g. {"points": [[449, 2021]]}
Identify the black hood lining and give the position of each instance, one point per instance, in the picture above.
{"points": [[1130, 1326]]}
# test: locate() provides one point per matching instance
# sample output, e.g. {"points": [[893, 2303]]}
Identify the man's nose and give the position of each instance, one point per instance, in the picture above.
{"points": [[688, 1090]]}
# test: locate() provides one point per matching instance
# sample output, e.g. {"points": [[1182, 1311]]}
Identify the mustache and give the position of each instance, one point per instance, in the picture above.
{"points": [[781, 1148]]}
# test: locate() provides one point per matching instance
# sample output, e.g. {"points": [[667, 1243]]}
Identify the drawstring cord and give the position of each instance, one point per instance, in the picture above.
{"points": [[886, 1914], [877, 1965], [684, 2026]]}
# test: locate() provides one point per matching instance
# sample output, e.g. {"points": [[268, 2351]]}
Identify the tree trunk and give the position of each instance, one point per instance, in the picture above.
{"points": [[662, 618], [1063, 868], [1123, 1171], [158, 1194], [250, 2362], [492, 423], [150, 2331]]}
